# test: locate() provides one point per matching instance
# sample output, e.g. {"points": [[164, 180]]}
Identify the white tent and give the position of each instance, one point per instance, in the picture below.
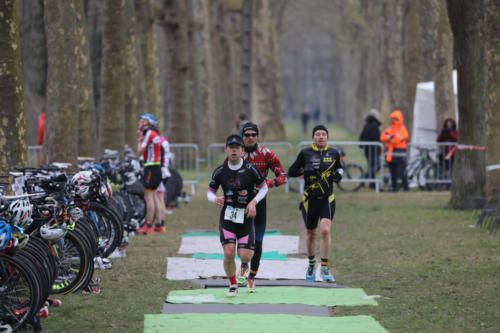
{"points": [[425, 130]]}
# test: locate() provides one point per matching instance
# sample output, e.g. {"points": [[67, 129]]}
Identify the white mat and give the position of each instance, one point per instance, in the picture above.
{"points": [[210, 244], [190, 268]]}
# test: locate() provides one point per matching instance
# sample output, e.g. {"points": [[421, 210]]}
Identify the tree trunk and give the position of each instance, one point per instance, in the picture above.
{"points": [[60, 139], [13, 123], [266, 94], [148, 50], [174, 23], [134, 90], [112, 117], [467, 22], [34, 63], [444, 96], [86, 109], [492, 40]]}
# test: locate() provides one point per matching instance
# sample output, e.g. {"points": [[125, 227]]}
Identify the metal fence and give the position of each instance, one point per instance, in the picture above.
{"points": [[35, 156], [186, 160], [429, 165]]}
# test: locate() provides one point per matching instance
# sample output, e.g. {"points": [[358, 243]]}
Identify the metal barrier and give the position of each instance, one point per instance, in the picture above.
{"points": [[35, 156], [355, 163], [186, 160], [215, 155], [430, 164]]}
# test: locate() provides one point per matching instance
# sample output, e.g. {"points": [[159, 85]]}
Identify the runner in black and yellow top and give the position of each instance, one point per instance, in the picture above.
{"points": [[320, 166]]}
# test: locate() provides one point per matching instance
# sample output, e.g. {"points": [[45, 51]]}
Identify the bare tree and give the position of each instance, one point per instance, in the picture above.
{"points": [[467, 23], [492, 40], [174, 22], [60, 139], [112, 120], [13, 124], [86, 110]]}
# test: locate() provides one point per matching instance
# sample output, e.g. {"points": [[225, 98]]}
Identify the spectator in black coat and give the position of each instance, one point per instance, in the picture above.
{"points": [[371, 132]]}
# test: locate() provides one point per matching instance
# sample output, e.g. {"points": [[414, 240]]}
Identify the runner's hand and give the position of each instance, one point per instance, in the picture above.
{"points": [[250, 209], [219, 201]]}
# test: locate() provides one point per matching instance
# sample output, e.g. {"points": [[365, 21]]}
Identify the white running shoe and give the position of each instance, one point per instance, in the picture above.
{"points": [[233, 291]]}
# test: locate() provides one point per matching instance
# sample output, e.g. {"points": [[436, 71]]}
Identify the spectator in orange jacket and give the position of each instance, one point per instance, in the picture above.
{"points": [[395, 139]]}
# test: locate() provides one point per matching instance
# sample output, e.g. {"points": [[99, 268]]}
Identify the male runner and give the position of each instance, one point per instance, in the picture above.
{"points": [[320, 166], [238, 179], [264, 159]]}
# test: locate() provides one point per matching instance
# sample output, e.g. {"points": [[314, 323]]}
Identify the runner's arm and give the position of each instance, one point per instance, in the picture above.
{"points": [[297, 168], [277, 168]]}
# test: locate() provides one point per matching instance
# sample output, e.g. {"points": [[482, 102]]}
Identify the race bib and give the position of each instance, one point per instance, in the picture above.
{"points": [[236, 215]]}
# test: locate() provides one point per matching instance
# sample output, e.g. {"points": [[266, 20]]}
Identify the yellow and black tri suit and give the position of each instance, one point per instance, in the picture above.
{"points": [[317, 166]]}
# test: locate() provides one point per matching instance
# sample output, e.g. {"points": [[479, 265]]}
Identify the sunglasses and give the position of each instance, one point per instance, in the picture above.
{"points": [[253, 135]]}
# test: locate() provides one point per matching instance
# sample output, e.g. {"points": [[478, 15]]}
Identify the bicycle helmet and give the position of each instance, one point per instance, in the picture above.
{"points": [[20, 235], [53, 232], [106, 191], [5, 234], [82, 181], [150, 118], [21, 210]]}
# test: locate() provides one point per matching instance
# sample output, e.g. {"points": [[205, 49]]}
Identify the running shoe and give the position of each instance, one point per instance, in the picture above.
{"points": [[326, 275], [241, 278], [146, 229], [311, 273], [159, 228], [233, 291], [251, 285]]}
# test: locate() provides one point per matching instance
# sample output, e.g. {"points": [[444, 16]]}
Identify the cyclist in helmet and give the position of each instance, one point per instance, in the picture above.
{"points": [[149, 146]]}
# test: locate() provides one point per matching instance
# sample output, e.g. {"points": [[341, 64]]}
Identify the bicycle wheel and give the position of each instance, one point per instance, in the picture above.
{"points": [[351, 172], [109, 226], [72, 261], [19, 292]]}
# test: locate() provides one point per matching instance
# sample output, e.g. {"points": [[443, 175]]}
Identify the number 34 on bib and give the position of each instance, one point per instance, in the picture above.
{"points": [[236, 215]]}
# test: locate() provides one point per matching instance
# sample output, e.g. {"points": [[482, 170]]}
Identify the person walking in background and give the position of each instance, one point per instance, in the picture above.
{"points": [[304, 119], [446, 155], [371, 133], [149, 146], [238, 179], [320, 166], [264, 159], [240, 122], [395, 138]]}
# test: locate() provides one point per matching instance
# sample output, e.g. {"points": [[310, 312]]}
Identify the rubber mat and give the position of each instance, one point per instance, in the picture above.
{"points": [[275, 295], [190, 268], [223, 283], [297, 309], [251, 323], [274, 255], [209, 244], [216, 233]]}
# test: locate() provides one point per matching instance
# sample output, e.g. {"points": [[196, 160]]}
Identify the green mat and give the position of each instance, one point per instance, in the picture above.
{"points": [[214, 233], [275, 295], [272, 255], [251, 323]]}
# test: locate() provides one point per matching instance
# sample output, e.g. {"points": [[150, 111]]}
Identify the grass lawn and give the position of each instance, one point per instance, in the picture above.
{"points": [[433, 272]]}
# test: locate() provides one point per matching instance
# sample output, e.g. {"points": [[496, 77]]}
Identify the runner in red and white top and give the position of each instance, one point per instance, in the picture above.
{"points": [[264, 159]]}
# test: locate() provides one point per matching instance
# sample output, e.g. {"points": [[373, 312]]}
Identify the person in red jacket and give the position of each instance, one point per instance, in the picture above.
{"points": [[395, 138], [264, 159]]}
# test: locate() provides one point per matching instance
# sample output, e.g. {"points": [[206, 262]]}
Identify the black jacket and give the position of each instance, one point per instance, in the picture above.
{"points": [[370, 132]]}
